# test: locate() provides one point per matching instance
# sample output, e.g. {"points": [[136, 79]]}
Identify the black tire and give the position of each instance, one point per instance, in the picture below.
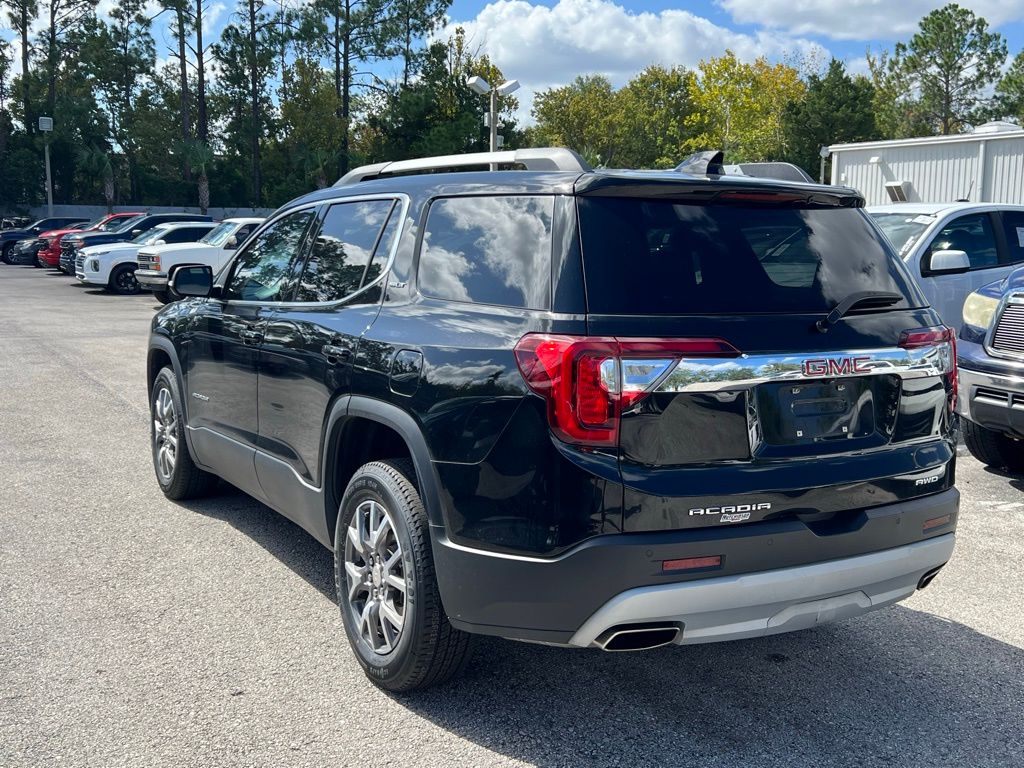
{"points": [[428, 650], [184, 480], [164, 297], [993, 448], [5, 254], [122, 280]]}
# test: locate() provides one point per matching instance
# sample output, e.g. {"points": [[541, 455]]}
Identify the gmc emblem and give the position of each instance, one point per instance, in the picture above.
{"points": [[844, 366]]}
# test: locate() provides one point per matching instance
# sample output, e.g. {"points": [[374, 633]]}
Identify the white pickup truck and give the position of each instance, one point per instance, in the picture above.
{"points": [[158, 262]]}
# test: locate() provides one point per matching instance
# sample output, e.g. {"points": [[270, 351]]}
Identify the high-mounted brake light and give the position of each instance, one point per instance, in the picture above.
{"points": [[589, 381], [936, 336]]}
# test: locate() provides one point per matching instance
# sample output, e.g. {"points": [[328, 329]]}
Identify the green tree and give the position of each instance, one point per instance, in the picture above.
{"points": [[836, 108], [580, 116], [97, 162], [738, 107], [952, 60], [21, 14], [1010, 91], [310, 128], [651, 111]]}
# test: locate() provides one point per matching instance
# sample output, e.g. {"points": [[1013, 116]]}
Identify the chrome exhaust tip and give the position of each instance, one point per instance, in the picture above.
{"points": [[637, 637]]}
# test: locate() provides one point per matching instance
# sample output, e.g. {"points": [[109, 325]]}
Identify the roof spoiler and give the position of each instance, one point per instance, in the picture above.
{"points": [[712, 163], [708, 163]]}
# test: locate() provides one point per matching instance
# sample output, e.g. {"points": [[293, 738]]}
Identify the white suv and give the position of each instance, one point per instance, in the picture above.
{"points": [[113, 265], [158, 262], [952, 249]]}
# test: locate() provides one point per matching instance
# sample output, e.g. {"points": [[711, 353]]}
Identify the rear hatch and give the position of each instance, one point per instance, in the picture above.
{"points": [[720, 380]]}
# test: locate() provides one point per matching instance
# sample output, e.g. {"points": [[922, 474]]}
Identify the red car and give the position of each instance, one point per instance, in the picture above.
{"points": [[49, 255]]}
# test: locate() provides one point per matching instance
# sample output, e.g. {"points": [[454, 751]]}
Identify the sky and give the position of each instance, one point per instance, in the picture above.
{"points": [[546, 44]]}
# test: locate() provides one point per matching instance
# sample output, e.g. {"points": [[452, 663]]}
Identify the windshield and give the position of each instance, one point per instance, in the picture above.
{"points": [[95, 223], [127, 224], [663, 257], [150, 236], [219, 234], [903, 230]]}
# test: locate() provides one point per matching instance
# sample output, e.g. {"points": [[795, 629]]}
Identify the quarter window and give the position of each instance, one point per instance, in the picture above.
{"points": [[489, 250], [342, 250], [971, 234], [263, 271]]}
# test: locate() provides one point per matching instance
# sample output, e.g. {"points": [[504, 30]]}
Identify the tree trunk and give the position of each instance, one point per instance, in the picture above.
{"points": [[108, 190], [336, 45], [23, 30], [204, 190], [51, 61], [186, 117], [202, 127], [346, 87], [254, 96]]}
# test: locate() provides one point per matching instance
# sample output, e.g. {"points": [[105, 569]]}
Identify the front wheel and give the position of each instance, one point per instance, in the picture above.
{"points": [[5, 254], [164, 297], [177, 473], [122, 279], [387, 590], [993, 448]]}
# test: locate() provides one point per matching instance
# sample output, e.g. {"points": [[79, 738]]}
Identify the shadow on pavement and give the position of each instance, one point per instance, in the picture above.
{"points": [[898, 687]]}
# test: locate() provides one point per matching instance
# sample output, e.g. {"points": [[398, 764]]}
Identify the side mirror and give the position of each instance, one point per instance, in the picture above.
{"points": [[192, 281], [231, 243], [949, 263], [137, 232], [160, 242]]}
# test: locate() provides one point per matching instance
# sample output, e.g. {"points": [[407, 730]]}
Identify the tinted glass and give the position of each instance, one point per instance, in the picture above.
{"points": [[127, 224], [659, 257], [489, 250], [261, 272], [387, 242], [1013, 226], [148, 236], [185, 234], [903, 230], [971, 234], [342, 249]]}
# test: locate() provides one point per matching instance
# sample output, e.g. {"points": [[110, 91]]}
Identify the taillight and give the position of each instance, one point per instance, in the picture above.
{"points": [[943, 339], [589, 381]]}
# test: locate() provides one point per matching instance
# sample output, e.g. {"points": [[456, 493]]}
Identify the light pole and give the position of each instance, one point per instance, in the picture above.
{"points": [[823, 153], [480, 86], [46, 126]]}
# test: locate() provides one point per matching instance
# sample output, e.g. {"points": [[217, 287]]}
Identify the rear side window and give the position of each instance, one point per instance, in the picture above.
{"points": [[1013, 226], [489, 250], [342, 250], [661, 257]]}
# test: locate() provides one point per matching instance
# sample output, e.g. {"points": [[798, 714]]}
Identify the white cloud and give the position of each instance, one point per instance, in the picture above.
{"points": [[545, 46], [859, 19]]}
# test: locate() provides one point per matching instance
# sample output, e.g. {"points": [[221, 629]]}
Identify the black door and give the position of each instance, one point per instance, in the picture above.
{"points": [[310, 343], [223, 349]]}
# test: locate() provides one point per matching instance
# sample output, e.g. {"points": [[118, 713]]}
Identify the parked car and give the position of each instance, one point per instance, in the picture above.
{"points": [[50, 242], [991, 358], [8, 237], [14, 222], [157, 262], [113, 265], [954, 248], [128, 231], [589, 408]]}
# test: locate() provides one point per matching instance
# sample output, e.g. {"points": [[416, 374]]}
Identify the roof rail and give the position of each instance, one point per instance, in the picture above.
{"points": [[540, 159]]}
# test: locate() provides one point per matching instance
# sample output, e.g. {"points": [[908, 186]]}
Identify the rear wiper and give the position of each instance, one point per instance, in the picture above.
{"points": [[876, 298]]}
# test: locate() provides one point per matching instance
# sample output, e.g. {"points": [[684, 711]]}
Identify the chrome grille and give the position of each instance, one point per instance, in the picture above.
{"points": [[79, 261], [1009, 332]]}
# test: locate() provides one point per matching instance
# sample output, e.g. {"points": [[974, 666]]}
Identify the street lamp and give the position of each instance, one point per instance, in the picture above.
{"points": [[46, 126], [823, 153], [481, 87]]}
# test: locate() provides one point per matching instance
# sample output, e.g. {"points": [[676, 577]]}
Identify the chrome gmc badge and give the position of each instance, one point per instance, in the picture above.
{"points": [[831, 366]]}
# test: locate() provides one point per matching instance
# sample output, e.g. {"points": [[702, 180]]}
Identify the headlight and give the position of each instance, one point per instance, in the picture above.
{"points": [[978, 310]]}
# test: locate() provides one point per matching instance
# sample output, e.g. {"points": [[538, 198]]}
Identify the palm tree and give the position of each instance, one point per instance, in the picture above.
{"points": [[199, 156]]}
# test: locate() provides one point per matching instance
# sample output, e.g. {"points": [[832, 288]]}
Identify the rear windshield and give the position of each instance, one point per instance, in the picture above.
{"points": [[666, 258]]}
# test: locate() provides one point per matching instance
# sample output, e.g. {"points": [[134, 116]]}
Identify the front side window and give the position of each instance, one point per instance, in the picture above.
{"points": [[342, 250], [262, 271], [971, 234], [489, 250]]}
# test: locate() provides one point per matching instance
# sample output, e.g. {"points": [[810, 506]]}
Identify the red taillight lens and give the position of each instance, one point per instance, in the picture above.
{"points": [[692, 563], [936, 336], [588, 381]]}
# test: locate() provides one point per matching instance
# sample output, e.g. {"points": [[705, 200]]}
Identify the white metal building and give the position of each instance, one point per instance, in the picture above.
{"points": [[986, 166]]}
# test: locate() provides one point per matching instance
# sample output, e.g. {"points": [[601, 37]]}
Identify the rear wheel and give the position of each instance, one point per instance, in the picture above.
{"points": [[5, 254], [177, 473], [122, 279], [387, 590], [993, 448]]}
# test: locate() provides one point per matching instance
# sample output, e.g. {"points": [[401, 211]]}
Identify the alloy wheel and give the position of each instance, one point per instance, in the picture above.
{"points": [[125, 281], [165, 434], [376, 578]]}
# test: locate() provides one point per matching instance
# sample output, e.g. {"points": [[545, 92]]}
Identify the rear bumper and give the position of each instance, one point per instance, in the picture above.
{"points": [[774, 576]]}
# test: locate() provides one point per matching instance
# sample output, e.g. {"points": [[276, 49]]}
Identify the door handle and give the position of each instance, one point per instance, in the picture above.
{"points": [[336, 354], [250, 337]]}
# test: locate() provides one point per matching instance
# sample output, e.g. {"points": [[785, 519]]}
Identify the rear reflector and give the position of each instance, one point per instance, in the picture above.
{"points": [[936, 522], [691, 563]]}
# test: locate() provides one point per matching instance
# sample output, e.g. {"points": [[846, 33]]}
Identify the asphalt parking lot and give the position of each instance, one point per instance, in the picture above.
{"points": [[135, 631]]}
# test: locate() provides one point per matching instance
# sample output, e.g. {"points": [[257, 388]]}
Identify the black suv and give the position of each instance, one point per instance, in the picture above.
{"points": [[610, 409]]}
